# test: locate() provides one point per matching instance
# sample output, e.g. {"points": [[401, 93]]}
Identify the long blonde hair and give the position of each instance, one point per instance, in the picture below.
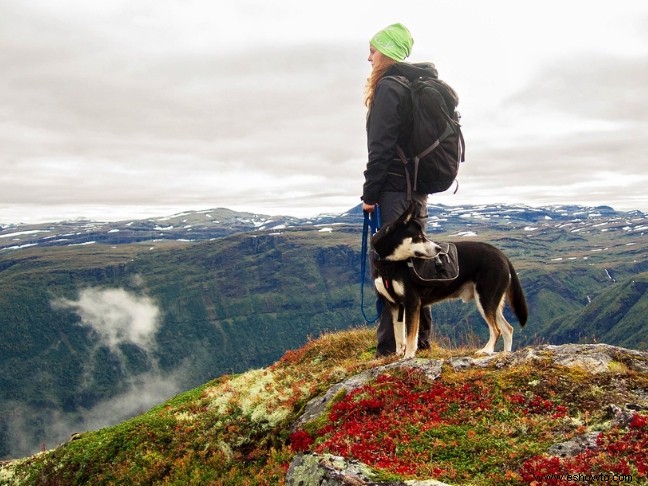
{"points": [[378, 71]]}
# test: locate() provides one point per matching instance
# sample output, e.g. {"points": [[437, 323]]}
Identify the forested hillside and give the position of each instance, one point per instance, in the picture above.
{"points": [[96, 332]]}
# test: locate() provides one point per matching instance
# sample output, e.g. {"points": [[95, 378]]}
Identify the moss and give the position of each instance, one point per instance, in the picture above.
{"points": [[478, 425], [617, 367]]}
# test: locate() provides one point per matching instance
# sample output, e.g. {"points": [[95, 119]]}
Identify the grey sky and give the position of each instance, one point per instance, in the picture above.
{"points": [[123, 109]]}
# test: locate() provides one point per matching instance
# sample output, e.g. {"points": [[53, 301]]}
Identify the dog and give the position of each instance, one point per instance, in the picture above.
{"points": [[485, 275]]}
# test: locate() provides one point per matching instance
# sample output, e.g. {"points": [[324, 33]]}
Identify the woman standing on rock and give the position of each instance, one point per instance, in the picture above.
{"points": [[389, 124]]}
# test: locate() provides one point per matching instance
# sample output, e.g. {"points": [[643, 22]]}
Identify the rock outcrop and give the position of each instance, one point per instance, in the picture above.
{"points": [[312, 469], [329, 470]]}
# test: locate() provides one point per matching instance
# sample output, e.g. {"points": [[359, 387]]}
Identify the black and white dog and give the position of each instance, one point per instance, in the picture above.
{"points": [[485, 275]]}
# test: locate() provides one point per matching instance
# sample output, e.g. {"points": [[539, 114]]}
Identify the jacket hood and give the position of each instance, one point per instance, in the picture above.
{"points": [[413, 70]]}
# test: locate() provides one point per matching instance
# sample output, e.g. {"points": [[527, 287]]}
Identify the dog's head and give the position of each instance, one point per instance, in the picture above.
{"points": [[404, 238]]}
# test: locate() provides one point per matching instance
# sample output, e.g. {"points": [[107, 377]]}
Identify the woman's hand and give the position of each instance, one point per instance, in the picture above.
{"points": [[368, 207]]}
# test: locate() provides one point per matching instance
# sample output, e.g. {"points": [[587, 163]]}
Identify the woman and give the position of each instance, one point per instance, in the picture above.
{"points": [[388, 126]]}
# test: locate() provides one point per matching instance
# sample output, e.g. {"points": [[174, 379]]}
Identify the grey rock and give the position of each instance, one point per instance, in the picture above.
{"points": [[315, 407], [330, 470], [574, 446]]}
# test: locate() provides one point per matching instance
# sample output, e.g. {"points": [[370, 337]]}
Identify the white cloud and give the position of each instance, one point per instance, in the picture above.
{"points": [[54, 426], [116, 316]]}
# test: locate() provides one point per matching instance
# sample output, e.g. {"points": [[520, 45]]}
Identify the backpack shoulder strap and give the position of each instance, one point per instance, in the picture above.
{"points": [[403, 158], [403, 81]]}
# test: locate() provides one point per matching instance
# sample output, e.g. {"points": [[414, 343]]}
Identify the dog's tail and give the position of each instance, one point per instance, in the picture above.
{"points": [[516, 298]]}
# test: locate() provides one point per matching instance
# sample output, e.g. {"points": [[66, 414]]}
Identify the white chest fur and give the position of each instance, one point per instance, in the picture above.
{"points": [[397, 287]]}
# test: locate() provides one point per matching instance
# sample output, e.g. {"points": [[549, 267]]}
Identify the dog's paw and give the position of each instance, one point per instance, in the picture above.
{"points": [[485, 352]]}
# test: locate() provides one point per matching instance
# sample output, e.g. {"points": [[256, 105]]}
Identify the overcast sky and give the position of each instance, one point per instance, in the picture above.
{"points": [[121, 109]]}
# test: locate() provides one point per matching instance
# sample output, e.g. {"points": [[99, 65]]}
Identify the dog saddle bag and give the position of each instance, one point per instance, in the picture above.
{"points": [[428, 271]]}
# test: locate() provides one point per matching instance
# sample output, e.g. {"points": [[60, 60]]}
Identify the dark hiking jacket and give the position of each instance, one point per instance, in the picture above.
{"points": [[389, 123]]}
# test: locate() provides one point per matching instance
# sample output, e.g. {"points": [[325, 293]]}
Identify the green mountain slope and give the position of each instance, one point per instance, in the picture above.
{"points": [[507, 420], [93, 334], [223, 306], [618, 314]]}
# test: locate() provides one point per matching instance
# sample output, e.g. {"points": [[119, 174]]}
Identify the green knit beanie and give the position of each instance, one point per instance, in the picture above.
{"points": [[394, 41]]}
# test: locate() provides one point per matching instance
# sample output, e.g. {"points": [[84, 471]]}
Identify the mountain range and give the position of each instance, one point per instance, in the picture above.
{"points": [[101, 321]]}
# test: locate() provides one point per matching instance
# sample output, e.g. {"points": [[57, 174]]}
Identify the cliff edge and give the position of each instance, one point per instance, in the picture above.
{"points": [[329, 413]]}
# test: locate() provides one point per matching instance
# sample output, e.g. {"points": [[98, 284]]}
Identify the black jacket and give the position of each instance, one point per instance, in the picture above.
{"points": [[389, 124]]}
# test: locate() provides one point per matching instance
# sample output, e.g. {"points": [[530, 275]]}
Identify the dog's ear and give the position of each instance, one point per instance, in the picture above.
{"points": [[410, 213]]}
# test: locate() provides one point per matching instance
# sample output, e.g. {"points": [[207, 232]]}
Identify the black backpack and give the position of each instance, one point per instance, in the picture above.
{"points": [[437, 143]]}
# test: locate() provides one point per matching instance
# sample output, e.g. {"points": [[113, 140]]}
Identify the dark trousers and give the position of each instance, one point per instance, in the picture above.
{"points": [[392, 205], [385, 332]]}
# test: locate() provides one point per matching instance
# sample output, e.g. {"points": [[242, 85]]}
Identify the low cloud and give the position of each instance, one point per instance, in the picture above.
{"points": [[118, 319], [116, 316], [34, 428]]}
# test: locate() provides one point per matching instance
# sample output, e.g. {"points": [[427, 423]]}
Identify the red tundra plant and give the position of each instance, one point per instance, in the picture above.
{"points": [[378, 422], [536, 405], [300, 441], [408, 425], [620, 452]]}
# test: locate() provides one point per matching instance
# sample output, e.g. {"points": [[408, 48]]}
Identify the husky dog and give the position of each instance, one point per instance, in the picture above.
{"points": [[485, 274]]}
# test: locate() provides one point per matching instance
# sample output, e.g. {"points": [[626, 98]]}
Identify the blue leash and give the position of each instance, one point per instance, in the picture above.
{"points": [[371, 223]]}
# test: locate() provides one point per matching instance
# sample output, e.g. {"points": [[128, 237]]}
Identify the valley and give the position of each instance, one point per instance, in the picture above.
{"points": [[103, 320]]}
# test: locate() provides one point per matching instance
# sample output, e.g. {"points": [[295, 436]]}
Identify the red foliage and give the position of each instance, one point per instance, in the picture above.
{"points": [[396, 422], [374, 421], [300, 441], [617, 452], [291, 357], [536, 405]]}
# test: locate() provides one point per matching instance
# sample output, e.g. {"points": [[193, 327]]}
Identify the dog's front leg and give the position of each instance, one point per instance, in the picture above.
{"points": [[413, 314], [398, 318]]}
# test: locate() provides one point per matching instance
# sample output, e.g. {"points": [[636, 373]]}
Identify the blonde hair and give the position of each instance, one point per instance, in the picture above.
{"points": [[382, 64]]}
